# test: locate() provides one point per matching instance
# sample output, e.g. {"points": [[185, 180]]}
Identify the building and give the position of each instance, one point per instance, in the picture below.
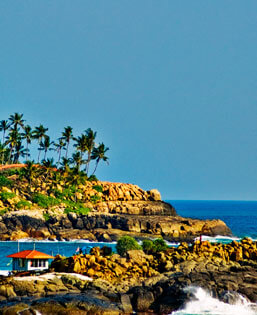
{"points": [[29, 260]]}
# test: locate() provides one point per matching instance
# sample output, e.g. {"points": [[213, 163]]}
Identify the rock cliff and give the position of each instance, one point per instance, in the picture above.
{"points": [[112, 210]]}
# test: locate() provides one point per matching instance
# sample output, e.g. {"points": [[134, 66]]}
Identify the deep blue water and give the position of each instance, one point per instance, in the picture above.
{"points": [[240, 216]]}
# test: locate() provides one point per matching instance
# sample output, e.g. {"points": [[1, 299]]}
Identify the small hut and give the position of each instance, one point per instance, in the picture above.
{"points": [[29, 260]]}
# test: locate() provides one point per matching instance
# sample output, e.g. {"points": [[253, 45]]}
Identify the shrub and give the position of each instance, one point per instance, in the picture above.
{"points": [[160, 245], [5, 182], [126, 243], [77, 209], [23, 204], [7, 195], [46, 216], [95, 198], [148, 246], [92, 178], [3, 211], [155, 246], [98, 188], [45, 201]]}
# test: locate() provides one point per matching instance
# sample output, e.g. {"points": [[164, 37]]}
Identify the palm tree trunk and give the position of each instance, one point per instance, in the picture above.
{"points": [[10, 155], [96, 164], [67, 148], [27, 148], [39, 151]]}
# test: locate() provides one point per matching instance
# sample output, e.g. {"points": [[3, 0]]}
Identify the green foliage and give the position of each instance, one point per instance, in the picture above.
{"points": [[95, 198], [6, 195], [45, 201], [23, 204], [92, 178], [5, 182], [147, 246], [76, 208], [160, 245], [12, 171], [126, 243], [98, 188], [3, 211], [150, 247], [46, 216]]}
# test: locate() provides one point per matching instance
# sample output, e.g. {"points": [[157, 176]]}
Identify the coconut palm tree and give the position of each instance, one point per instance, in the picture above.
{"points": [[16, 121], [13, 140], [4, 126], [20, 151], [67, 136], [45, 145], [30, 172], [39, 133], [59, 146], [28, 136], [77, 160], [91, 135], [4, 153], [48, 166], [98, 154], [82, 146]]}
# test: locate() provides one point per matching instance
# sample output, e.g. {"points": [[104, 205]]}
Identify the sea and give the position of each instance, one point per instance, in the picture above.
{"points": [[240, 216]]}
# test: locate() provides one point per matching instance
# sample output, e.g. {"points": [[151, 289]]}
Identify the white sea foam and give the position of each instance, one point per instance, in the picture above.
{"points": [[203, 303]]}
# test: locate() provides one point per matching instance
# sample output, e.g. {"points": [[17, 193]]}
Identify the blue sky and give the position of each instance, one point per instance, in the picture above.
{"points": [[170, 86]]}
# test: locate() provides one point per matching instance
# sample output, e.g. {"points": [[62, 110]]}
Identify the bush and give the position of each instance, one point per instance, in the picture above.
{"points": [[3, 211], [126, 243], [46, 216], [5, 182], [23, 204], [95, 198], [151, 247], [92, 178], [76, 207], [7, 195], [45, 201], [98, 188], [148, 246]]}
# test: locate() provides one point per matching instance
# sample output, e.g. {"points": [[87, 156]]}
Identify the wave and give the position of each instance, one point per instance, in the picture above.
{"points": [[203, 303], [221, 238]]}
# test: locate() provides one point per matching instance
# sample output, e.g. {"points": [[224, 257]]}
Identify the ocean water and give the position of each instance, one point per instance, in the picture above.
{"points": [[240, 216]]}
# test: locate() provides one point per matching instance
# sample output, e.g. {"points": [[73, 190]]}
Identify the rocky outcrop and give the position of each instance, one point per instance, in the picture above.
{"points": [[158, 283], [105, 227]]}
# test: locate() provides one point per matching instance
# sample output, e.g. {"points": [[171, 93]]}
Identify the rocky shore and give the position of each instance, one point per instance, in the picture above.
{"points": [[118, 209], [140, 282]]}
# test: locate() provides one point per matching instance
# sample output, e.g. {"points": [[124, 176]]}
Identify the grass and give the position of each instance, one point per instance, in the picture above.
{"points": [[6, 195], [45, 201], [23, 204]]}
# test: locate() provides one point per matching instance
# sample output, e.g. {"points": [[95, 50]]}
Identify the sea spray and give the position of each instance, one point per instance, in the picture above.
{"points": [[202, 303]]}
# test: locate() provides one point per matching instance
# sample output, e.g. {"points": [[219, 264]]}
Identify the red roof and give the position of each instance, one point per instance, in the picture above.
{"points": [[33, 254]]}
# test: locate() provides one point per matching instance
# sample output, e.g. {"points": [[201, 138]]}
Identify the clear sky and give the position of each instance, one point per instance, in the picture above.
{"points": [[170, 86]]}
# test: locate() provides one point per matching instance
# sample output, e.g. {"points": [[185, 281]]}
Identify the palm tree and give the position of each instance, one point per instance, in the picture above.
{"points": [[77, 160], [48, 166], [45, 145], [82, 146], [58, 148], [4, 153], [98, 154], [4, 126], [30, 172], [13, 140], [39, 133], [91, 135], [16, 120], [19, 151], [67, 136], [27, 135]]}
